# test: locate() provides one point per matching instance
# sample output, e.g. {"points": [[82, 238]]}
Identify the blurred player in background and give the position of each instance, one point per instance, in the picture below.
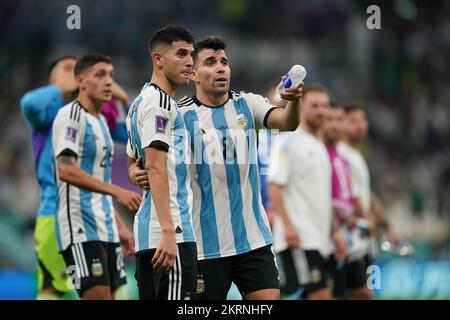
{"points": [[348, 271], [89, 229], [166, 258], [39, 107], [234, 240], [300, 192], [355, 131]]}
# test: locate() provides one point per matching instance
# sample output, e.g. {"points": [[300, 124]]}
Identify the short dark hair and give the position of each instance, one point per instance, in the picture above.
{"points": [[90, 59], [353, 107], [336, 105], [314, 88], [55, 62], [210, 42], [169, 34]]}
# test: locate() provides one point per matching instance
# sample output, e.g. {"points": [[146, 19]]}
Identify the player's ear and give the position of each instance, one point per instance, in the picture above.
{"points": [[79, 79], [157, 58], [194, 75]]}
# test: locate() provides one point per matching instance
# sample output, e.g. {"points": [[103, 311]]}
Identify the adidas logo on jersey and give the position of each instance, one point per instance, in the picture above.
{"points": [[178, 230], [80, 231]]}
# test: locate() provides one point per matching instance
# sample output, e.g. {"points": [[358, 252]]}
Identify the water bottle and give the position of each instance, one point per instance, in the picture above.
{"points": [[291, 79]]}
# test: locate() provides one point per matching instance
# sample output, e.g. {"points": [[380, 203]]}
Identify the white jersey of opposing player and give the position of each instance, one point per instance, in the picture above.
{"points": [[83, 215], [228, 214], [304, 171], [360, 173], [360, 186], [154, 121]]}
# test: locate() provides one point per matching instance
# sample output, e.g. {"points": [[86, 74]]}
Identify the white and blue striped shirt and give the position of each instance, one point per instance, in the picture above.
{"points": [[83, 215], [228, 214], [154, 121]]}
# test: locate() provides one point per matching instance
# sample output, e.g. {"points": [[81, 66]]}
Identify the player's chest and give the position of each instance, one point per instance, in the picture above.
{"points": [[227, 120], [96, 141]]}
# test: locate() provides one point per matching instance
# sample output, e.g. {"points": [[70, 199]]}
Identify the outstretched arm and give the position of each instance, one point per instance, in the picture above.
{"points": [[288, 118]]}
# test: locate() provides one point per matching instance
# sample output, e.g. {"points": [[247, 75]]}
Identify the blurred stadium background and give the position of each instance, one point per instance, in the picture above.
{"points": [[400, 73]]}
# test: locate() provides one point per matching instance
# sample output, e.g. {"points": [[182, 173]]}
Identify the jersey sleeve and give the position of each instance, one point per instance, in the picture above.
{"points": [[261, 108], [40, 106], [67, 133], [156, 121]]}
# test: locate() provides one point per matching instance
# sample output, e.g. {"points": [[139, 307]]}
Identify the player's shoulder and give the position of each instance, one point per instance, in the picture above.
{"points": [[73, 111], [186, 103], [152, 96], [236, 95]]}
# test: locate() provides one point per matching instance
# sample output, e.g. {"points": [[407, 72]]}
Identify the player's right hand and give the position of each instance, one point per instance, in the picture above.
{"points": [[139, 176], [129, 199], [292, 236], [166, 253]]}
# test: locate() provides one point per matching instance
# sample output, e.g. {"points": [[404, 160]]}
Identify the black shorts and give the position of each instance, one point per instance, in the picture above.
{"points": [[179, 284], [304, 271], [96, 263], [348, 276], [251, 271]]}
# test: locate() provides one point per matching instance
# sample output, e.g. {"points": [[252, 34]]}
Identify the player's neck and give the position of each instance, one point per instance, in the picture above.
{"points": [[309, 129], [350, 142], [90, 105], [165, 84], [211, 100]]}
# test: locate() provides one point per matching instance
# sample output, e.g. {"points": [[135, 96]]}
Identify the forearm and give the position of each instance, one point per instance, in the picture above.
{"points": [[159, 184], [285, 119], [359, 210], [276, 197], [73, 175], [292, 115]]}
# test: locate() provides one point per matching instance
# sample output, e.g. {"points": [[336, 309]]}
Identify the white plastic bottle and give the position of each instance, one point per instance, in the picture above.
{"points": [[291, 79]]}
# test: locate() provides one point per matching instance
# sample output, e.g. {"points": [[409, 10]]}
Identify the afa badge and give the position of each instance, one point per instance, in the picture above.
{"points": [[97, 268], [242, 121], [200, 285]]}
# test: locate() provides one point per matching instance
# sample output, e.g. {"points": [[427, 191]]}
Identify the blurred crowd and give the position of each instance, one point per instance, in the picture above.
{"points": [[399, 73]]}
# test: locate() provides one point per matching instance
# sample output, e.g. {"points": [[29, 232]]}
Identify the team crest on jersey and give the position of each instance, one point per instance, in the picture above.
{"points": [[242, 121], [160, 124], [200, 285], [96, 268], [71, 134]]}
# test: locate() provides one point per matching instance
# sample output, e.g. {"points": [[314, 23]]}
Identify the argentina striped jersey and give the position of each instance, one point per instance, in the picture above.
{"points": [[228, 215], [83, 215], [154, 121]]}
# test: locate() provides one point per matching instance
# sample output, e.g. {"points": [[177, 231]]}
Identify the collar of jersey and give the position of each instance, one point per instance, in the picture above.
{"points": [[152, 84], [82, 107], [199, 103]]}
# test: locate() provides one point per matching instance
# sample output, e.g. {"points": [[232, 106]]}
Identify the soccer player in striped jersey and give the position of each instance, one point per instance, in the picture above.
{"points": [[89, 230], [39, 107], [166, 255], [231, 227]]}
